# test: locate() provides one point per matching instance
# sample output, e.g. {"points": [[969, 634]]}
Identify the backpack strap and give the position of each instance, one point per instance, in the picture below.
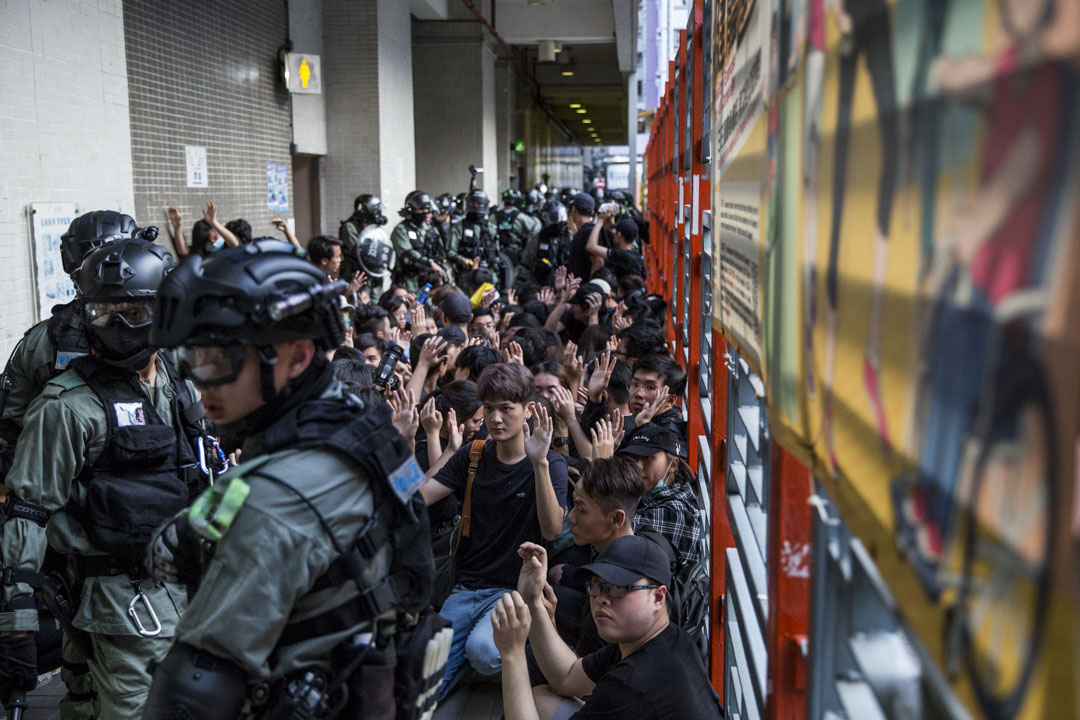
{"points": [[476, 451]]}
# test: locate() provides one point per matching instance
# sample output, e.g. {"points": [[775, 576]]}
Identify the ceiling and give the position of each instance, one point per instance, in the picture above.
{"points": [[598, 40]]}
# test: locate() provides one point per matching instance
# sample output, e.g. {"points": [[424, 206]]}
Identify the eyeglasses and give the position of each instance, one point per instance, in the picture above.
{"points": [[635, 385], [210, 365], [133, 314], [595, 587]]}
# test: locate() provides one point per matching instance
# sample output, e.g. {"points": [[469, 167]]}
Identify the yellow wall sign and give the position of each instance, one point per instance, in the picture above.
{"points": [[303, 73]]}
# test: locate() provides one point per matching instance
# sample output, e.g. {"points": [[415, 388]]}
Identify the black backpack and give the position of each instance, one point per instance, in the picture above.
{"points": [[689, 594]]}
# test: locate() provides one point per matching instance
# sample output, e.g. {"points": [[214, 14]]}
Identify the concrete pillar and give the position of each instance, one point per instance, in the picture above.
{"points": [[368, 83], [455, 108]]}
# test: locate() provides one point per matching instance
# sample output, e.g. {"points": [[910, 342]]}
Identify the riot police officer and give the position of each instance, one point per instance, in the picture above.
{"points": [[549, 248], [109, 450], [367, 220], [43, 353], [443, 216], [413, 241], [309, 553], [516, 227], [534, 200], [475, 239]]}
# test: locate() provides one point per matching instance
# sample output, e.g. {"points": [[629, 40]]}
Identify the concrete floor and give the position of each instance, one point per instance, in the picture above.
{"points": [[477, 700]]}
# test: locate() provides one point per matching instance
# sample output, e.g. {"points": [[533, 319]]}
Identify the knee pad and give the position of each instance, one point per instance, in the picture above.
{"points": [[190, 683]]}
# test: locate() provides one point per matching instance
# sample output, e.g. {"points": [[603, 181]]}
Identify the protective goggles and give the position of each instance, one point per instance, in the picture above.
{"points": [[134, 314], [210, 365]]}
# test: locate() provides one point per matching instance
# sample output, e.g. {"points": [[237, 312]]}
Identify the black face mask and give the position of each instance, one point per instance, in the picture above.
{"points": [[120, 345]]}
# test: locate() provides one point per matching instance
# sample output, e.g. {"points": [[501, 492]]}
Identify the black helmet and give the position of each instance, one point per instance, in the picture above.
{"points": [[444, 204], [477, 203], [369, 208], [93, 230], [260, 294], [513, 198], [534, 201], [117, 284], [553, 212], [375, 255], [417, 202]]}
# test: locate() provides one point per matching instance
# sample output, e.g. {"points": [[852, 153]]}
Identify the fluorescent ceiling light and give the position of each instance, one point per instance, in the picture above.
{"points": [[568, 73]]}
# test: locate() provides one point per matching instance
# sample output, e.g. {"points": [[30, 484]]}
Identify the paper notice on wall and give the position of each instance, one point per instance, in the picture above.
{"points": [[48, 221], [738, 228], [277, 187], [741, 91], [195, 157]]}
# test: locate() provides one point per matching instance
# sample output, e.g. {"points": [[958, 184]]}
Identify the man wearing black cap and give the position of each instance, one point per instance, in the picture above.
{"points": [[651, 671], [582, 208], [669, 506], [456, 310], [621, 258]]}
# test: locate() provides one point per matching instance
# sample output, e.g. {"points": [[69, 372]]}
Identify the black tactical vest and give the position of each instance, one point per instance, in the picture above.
{"points": [[147, 471], [476, 241], [68, 337], [552, 250]]}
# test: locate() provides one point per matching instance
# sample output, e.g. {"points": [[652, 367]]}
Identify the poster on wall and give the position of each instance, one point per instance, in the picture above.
{"points": [[48, 221], [740, 92], [195, 159], [277, 187], [739, 234]]}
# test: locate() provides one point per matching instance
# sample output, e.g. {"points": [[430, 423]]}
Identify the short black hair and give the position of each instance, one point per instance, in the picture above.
{"points": [[641, 340], [366, 340], [612, 483], [241, 228], [481, 311], [369, 319], [358, 378], [524, 320], [416, 345], [461, 396], [475, 358], [673, 374], [618, 386], [321, 247], [533, 345]]}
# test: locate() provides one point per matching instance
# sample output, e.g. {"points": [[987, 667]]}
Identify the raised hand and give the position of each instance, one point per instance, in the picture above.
{"points": [[510, 623], [572, 363], [601, 376], [431, 352], [664, 401], [175, 218], [533, 576], [431, 418], [593, 301], [618, 426], [619, 321], [546, 295], [560, 278], [538, 441], [564, 403], [455, 433], [210, 213], [603, 440], [513, 353], [511, 296], [406, 419]]}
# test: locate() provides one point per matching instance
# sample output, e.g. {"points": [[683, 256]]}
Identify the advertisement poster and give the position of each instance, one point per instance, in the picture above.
{"points": [[896, 225], [195, 158], [48, 221], [737, 227]]}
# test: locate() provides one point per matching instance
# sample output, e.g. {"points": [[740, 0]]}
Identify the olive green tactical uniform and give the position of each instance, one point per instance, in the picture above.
{"points": [[469, 229], [271, 552], [525, 226], [349, 234], [37, 351], [64, 433], [411, 243]]}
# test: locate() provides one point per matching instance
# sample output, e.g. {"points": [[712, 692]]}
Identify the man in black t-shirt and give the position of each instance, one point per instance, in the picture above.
{"points": [[582, 209], [621, 258], [518, 496], [651, 671]]}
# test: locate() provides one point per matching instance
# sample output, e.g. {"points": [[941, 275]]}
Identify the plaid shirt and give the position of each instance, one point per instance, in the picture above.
{"points": [[673, 512]]}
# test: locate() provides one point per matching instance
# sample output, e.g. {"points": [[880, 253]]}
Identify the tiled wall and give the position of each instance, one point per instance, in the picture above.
{"points": [[64, 131], [205, 73]]}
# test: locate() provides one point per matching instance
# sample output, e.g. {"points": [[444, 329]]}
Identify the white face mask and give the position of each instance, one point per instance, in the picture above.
{"points": [[217, 245]]}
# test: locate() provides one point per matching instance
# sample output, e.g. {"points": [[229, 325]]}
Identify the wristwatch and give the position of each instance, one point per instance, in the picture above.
{"points": [[560, 441]]}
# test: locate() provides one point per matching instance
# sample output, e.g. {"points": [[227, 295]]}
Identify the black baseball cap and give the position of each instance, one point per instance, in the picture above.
{"points": [[627, 559], [583, 203], [457, 308], [651, 438], [628, 228]]}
